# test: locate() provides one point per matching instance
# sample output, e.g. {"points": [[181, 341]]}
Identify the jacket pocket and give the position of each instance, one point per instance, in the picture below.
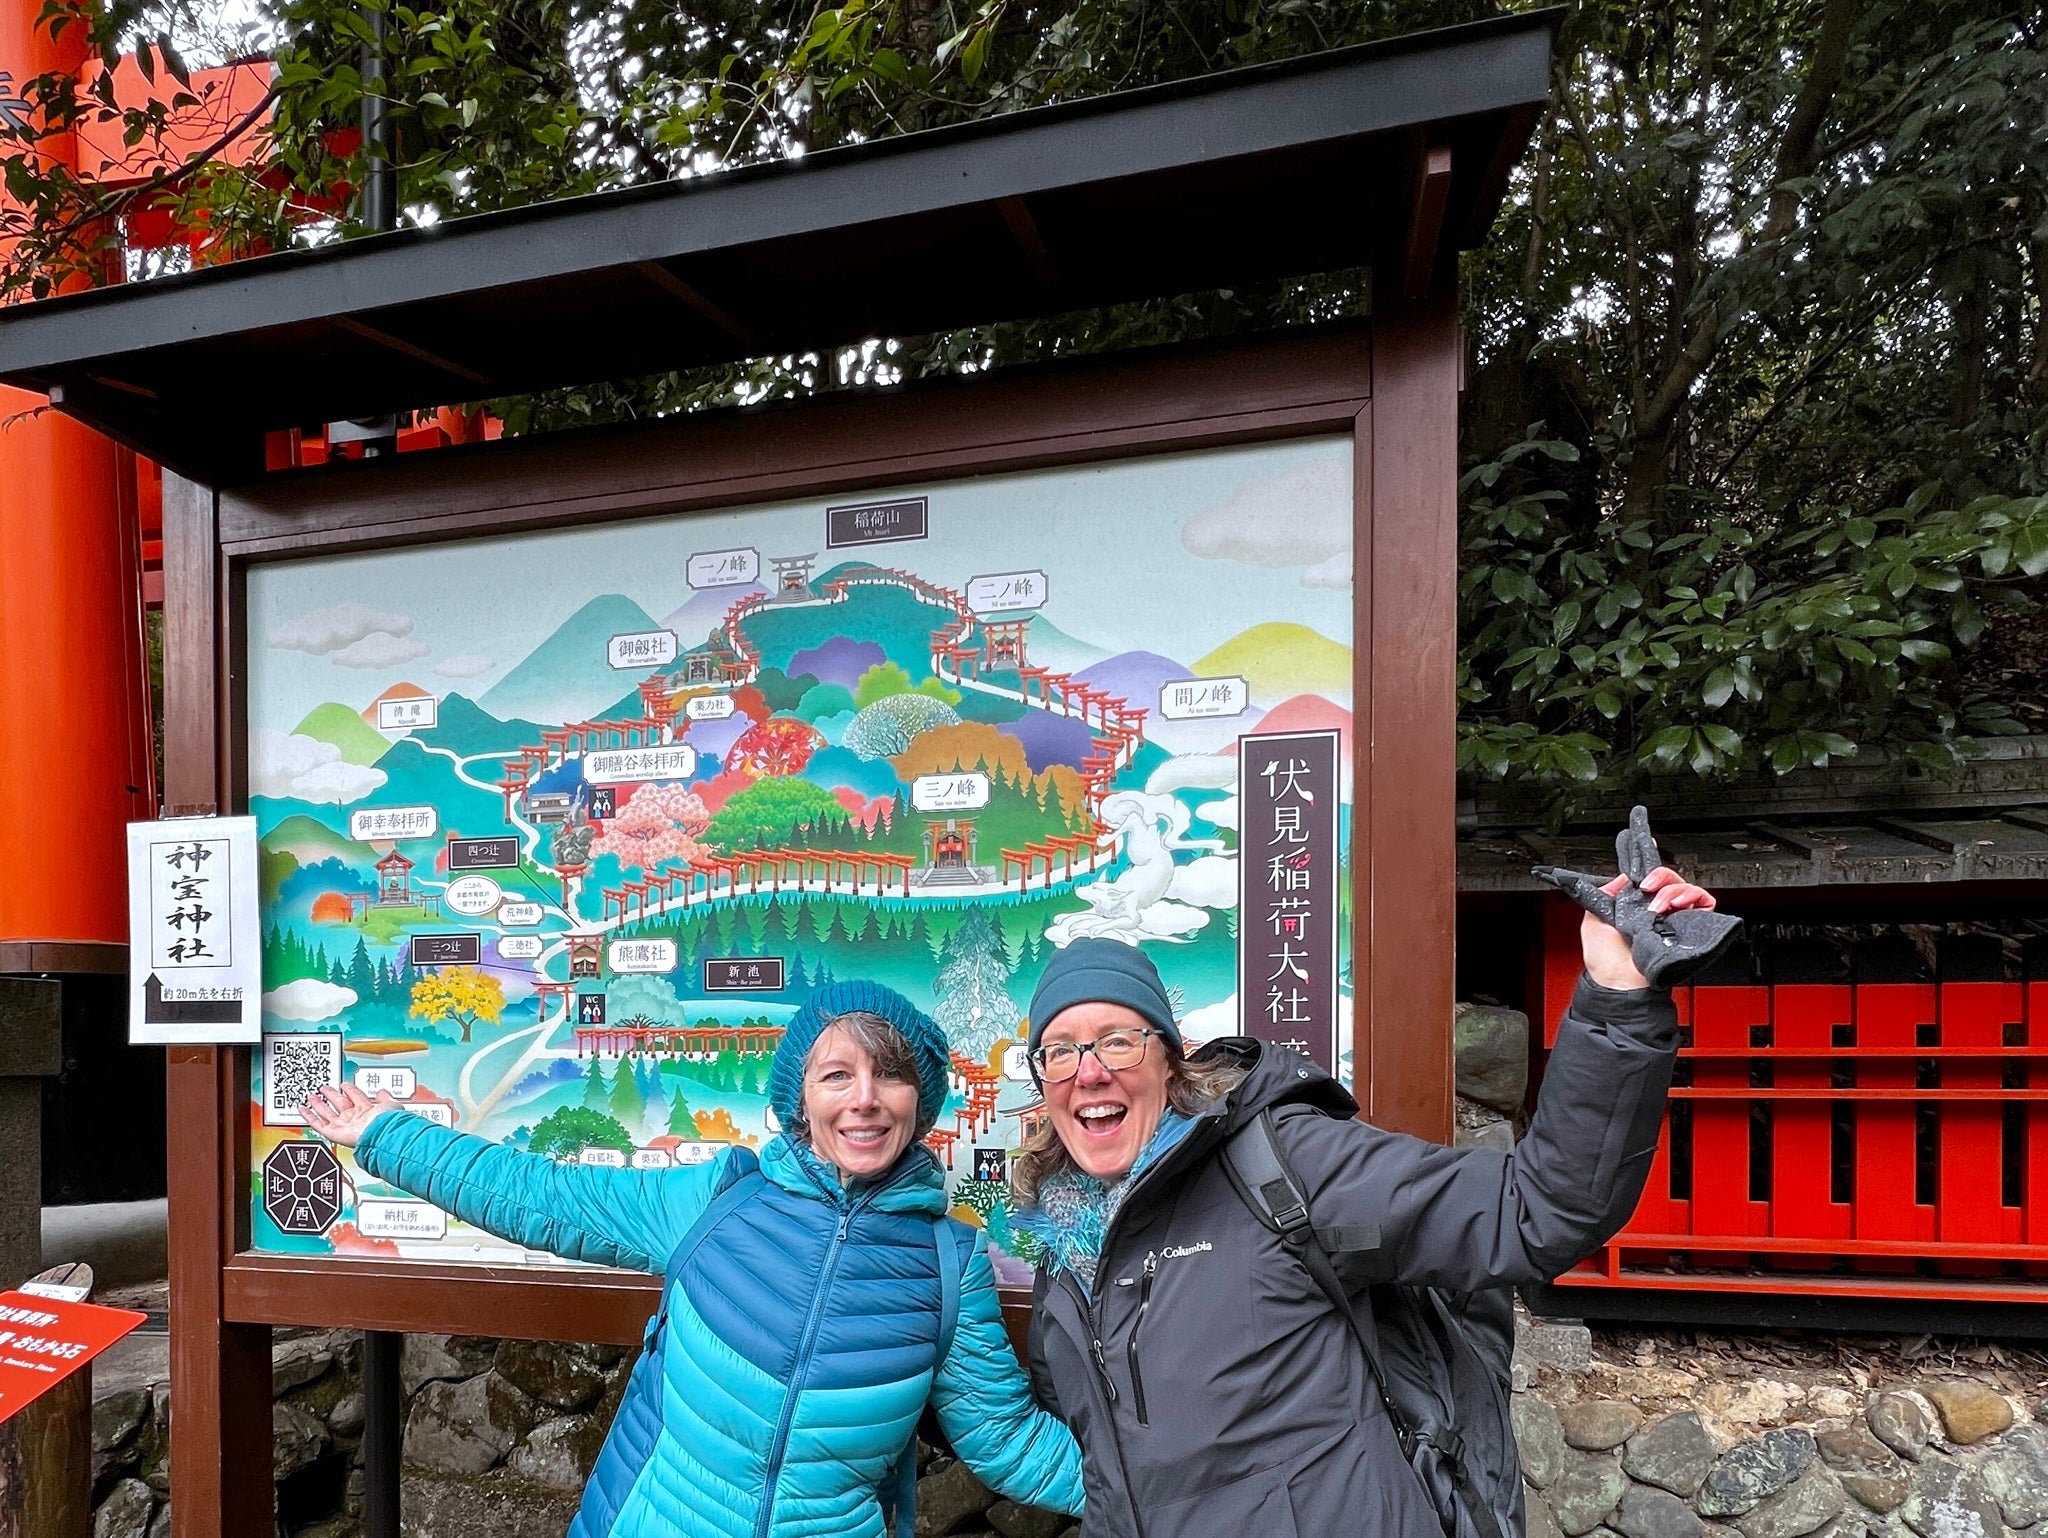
{"points": [[1257, 1506], [1614, 1150]]}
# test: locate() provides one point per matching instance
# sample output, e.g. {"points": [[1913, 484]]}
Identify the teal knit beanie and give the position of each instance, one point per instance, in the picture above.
{"points": [[927, 1044], [1102, 972]]}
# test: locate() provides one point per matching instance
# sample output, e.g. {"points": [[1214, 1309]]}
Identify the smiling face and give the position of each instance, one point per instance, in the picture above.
{"points": [[861, 1118], [1104, 1120]]}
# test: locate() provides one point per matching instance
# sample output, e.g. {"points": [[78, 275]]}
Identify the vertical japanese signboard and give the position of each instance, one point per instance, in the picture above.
{"points": [[196, 973], [1287, 936]]}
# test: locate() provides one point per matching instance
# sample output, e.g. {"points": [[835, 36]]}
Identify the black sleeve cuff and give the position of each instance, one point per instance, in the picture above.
{"points": [[1632, 1009]]}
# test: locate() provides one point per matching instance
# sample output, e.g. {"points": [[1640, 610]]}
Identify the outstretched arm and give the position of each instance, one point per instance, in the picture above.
{"points": [[1472, 1218], [613, 1217], [985, 1404]]}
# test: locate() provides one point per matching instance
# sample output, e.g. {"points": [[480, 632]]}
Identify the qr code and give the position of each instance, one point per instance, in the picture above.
{"points": [[293, 1067]]}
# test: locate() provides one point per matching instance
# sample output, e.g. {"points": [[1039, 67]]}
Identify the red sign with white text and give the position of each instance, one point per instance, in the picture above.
{"points": [[44, 1341]]}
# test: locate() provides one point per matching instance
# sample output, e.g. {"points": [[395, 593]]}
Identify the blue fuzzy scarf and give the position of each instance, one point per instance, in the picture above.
{"points": [[1074, 1210]]}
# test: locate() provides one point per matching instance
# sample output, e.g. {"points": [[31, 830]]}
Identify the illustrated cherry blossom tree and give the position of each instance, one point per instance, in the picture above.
{"points": [[658, 824]]}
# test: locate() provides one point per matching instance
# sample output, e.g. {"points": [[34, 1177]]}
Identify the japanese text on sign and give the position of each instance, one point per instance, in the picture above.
{"points": [[743, 974], [1287, 942], [406, 712], [1192, 698], [646, 649], [188, 919], [192, 915], [876, 523], [724, 568], [623, 766], [949, 792], [1006, 591], [643, 955], [392, 822], [44, 1340]]}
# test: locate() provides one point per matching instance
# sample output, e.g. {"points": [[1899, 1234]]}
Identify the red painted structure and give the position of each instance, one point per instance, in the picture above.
{"points": [[75, 755], [1868, 1140]]}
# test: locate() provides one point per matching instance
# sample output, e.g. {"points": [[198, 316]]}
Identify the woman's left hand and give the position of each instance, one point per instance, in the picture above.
{"points": [[342, 1113], [1609, 958]]}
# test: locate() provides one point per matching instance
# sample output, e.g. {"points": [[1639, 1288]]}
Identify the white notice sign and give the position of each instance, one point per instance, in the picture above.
{"points": [[406, 712], [195, 941], [949, 792]]}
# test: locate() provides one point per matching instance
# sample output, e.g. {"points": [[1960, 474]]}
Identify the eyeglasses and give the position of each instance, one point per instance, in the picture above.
{"points": [[1115, 1050]]}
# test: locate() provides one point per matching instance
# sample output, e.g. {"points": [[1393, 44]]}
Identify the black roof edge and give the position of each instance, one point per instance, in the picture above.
{"points": [[43, 335]]}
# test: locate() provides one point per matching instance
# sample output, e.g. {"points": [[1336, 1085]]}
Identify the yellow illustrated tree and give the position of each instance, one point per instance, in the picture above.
{"points": [[467, 995]]}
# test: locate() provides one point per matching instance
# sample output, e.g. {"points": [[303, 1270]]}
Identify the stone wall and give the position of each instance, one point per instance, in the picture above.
{"points": [[500, 1437], [1680, 1434]]}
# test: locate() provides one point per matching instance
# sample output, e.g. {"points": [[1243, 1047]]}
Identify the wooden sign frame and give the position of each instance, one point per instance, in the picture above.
{"points": [[1392, 385]]}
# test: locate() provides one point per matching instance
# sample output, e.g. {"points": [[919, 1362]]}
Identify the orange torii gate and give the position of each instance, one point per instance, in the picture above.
{"points": [[1064, 847], [941, 1142], [1002, 643], [677, 1040], [965, 1119], [981, 1104]]}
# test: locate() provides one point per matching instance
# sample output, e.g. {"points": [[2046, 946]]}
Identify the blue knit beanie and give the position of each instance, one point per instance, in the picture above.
{"points": [[927, 1044], [1102, 972]]}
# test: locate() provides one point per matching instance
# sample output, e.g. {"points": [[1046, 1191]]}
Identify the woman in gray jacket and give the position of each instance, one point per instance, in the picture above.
{"points": [[1213, 1387]]}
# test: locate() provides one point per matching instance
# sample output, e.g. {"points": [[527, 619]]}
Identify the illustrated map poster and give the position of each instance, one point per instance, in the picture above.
{"points": [[556, 830]]}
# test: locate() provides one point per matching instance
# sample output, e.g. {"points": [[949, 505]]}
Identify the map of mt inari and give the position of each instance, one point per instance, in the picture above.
{"points": [[557, 830]]}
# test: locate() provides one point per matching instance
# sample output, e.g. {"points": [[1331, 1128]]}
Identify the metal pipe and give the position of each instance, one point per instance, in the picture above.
{"points": [[380, 176], [381, 1410]]}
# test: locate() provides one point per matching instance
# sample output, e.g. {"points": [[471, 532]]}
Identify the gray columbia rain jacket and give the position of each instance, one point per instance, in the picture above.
{"points": [[1214, 1391]]}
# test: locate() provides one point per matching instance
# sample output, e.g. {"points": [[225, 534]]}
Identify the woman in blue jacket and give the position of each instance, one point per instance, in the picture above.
{"points": [[812, 1306]]}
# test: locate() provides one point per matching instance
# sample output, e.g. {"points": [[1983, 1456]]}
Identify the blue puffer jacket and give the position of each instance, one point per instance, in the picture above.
{"points": [[800, 1344]]}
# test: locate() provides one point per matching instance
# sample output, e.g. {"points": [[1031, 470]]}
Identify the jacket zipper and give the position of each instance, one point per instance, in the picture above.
{"points": [[1102, 1367], [1131, 1349], [779, 1448], [1122, 1482]]}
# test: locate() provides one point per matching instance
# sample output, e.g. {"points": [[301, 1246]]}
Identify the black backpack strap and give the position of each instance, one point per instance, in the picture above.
{"points": [[737, 1181], [1257, 1167]]}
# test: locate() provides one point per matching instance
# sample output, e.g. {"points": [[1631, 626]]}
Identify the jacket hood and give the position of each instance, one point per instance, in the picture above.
{"points": [[1274, 1076]]}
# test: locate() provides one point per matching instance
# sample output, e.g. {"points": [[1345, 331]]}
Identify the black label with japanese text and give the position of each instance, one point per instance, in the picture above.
{"points": [[876, 523], [1288, 874]]}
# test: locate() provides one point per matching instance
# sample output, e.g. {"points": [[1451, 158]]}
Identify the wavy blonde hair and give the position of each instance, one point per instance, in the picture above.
{"points": [[1192, 1086]]}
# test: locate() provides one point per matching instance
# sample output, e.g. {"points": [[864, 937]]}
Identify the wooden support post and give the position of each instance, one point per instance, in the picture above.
{"points": [[31, 1050], [1404, 863], [45, 1450], [220, 1372]]}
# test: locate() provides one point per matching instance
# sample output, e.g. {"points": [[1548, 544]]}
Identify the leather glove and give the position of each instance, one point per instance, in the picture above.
{"points": [[1667, 948]]}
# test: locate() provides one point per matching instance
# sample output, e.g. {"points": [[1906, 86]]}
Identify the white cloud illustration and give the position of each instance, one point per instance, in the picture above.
{"points": [[1301, 518], [1209, 882], [308, 999], [286, 764], [1211, 1021], [323, 631], [379, 649], [1333, 573], [468, 665], [338, 783]]}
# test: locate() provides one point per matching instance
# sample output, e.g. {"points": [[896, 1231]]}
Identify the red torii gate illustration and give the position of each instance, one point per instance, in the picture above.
{"points": [[1064, 847], [677, 1040]]}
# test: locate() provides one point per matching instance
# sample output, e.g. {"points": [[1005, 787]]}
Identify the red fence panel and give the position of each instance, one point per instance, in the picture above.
{"points": [[1875, 1139]]}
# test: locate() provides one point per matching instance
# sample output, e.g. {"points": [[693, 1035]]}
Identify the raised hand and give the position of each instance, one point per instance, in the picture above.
{"points": [[342, 1113], [1647, 927]]}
